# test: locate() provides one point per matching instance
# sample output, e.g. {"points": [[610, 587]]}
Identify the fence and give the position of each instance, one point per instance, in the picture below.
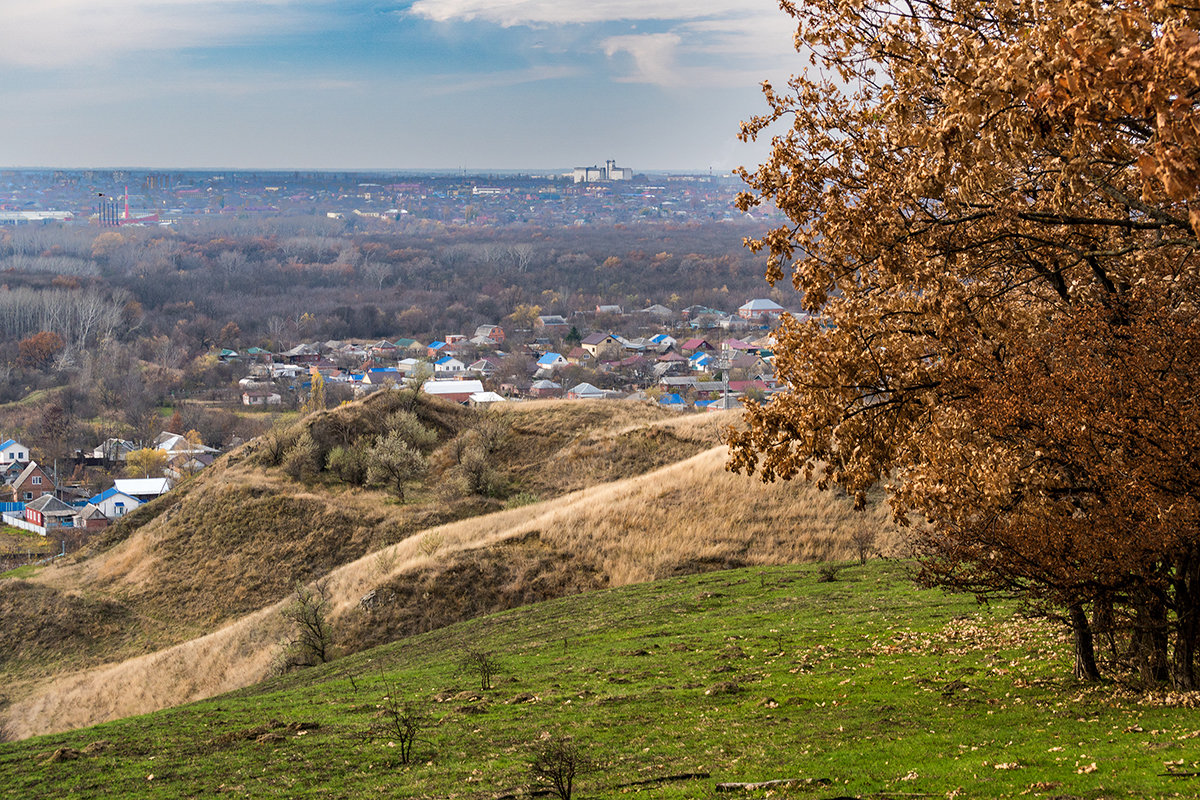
{"points": [[19, 522]]}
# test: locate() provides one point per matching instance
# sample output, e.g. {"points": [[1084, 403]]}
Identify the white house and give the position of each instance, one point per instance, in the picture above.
{"points": [[756, 308], [448, 365], [261, 397], [114, 503], [286, 370], [144, 489], [13, 451], [552, 361], [452, 390]]}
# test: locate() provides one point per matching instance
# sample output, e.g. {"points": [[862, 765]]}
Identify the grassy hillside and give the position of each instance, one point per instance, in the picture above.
{"points": [[861, 687], [240, 535], [182, 600]]}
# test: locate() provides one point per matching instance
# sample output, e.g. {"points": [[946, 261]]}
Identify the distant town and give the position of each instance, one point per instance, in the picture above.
{"points": [[583, 195]]}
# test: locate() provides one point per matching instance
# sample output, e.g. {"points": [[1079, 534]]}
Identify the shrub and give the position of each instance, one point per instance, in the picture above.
{"points": [[558, 762], [410, 428], [310, 638], [481, 663], [403, 720], [349, 463], [828, 573], [303, 461]]}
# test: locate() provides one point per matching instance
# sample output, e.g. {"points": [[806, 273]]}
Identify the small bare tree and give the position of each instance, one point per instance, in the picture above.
{"points": [[483, 664], [863, 538], [558, 762], [404, 719], [310, 639]]}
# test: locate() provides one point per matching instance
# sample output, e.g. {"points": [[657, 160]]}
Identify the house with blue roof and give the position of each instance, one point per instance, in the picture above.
{"points": [[700, 361], [114, 503], [448, 365], [552, 361], [662, 340], [673, 400], [13, 452], [382, 375]]}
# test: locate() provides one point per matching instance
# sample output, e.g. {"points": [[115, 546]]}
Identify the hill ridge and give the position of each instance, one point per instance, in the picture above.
{"points": [[240, 653]]}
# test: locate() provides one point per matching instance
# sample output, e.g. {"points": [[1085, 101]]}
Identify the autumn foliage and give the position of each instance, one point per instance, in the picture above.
{"points": [[993, 220], [39, 349]]}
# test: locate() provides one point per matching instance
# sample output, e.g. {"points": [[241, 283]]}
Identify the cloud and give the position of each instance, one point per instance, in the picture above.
{"points": [[655, 57], [564, 12], [65, 33], [708, 53]]}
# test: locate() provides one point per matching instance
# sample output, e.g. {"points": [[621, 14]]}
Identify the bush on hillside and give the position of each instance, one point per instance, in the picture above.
{"points": [[304, 459], [350, 463]]}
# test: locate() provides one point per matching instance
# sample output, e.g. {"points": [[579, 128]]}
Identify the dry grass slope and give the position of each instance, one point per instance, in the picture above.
{"points": [[689, 516]]}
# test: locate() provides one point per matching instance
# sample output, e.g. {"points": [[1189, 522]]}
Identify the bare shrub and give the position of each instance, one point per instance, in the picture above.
{"points": [[273, 445], [828, 573], [310, 639], [430, 543], [403, 720], [483, 664], [863, 539], [557, 762]]}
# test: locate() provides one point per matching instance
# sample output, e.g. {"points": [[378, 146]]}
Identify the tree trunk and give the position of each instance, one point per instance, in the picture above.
{"points": [[1148, 645], [1085, 651], [1186, 586]]}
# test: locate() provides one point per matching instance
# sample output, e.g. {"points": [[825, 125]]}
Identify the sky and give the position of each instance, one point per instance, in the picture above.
{"points": [[360, 84]]}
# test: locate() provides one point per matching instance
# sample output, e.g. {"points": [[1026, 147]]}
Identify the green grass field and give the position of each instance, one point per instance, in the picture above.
{"points": [[862, 687]]}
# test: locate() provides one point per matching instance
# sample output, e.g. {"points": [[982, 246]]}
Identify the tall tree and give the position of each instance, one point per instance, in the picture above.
{"points": [[993, 219]]}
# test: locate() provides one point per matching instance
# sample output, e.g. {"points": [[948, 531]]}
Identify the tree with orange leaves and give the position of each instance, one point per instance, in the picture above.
{"points": [[993, 220], [38, 350]]}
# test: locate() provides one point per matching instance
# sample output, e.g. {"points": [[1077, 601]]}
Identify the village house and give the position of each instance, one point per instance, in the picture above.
{"points": [[89, 518], [493, 333], [12, 451], [31, 483], [550, 324], [478, 399], [755, 309], [692, 345], [382, 376], [114, 503], [485, 367], [174, 444], [585, 391], [144, 489], [49, 513], [551, 362], [261, 397], [601, 345], [448, 366], [456, 391], [113, 450], [545, 388]]}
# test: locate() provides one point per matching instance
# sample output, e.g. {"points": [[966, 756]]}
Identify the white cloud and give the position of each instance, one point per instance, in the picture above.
{"points": [[738, 51], [562, 12], [655, 57], [62, 33]]}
